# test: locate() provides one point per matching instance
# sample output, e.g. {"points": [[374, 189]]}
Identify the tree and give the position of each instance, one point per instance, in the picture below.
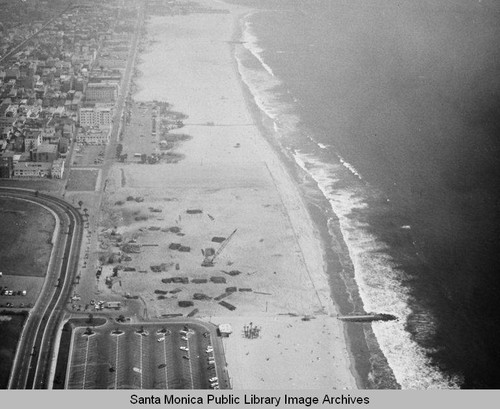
{"points": [[91, 317], [86, 212], [80, 203]]}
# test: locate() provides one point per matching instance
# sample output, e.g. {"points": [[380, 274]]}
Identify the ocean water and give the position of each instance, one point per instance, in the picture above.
{"points": [[392, 109]]}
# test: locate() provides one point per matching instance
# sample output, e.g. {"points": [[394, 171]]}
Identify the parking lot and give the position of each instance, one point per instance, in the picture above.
{"points": [[88, 155], [82, 179], [149, 356]]}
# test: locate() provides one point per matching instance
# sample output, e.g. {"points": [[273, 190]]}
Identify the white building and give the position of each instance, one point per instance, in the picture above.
{"points": [[92, 136], [32, 169], [99, 116], [32, 141], [58, 168]]}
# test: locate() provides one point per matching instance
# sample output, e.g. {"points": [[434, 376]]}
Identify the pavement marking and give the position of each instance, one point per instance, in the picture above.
{"points": [[86, 360], [141, 359], [116, 362], [190, 366], [166, 370]]}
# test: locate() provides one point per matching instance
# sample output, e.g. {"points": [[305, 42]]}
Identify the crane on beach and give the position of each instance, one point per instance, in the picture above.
{"points": [[209, 260]]}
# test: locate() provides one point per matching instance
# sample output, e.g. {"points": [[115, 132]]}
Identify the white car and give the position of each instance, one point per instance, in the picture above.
{"points": [[214, 379], [184, 348], [184, 338], [161, 339]]}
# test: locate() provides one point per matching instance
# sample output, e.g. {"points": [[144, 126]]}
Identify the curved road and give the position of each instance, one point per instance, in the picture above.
{"points": [[34, 354]]}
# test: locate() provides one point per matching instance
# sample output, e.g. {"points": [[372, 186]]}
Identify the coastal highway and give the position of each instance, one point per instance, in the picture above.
{"points": [[33, 360]]}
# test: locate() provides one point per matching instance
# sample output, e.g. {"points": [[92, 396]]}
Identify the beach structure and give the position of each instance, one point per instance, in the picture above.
{"points": [[225, 330]]}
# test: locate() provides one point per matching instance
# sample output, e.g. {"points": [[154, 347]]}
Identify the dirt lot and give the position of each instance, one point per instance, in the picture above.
{"points": [[148, 356], [82, 179], [88, 155]]}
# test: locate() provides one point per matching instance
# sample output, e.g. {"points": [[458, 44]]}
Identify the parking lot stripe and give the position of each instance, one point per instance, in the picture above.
{"points": [[141, 359], [116, 363], [190, 366], [166, 370], [86, 361]]}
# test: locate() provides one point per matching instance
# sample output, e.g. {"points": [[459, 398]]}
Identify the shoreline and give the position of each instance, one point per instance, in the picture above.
{"points": [[359, 367], [297, 214]]}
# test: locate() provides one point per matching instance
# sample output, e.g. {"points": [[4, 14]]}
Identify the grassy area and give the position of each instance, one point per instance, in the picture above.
{"points": [[11, 325], [82, 180], [26, 232]]}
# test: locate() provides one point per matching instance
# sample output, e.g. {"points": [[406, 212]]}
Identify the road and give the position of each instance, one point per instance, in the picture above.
{"points": [[35, 351], [34, 354]]}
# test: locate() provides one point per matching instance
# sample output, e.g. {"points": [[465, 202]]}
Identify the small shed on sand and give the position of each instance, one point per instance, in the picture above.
{"points": [[225, 330]]}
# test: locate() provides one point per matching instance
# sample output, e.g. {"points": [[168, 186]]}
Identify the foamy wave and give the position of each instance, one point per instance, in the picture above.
{"points": [[378, 280], [351, 168], [320, 145], [250, 42], [263, 87]]}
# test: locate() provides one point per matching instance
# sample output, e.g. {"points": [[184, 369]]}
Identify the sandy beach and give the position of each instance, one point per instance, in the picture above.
{"points": [[230, 172]]}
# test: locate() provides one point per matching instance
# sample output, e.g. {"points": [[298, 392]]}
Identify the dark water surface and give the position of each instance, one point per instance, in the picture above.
{"points": [[393, 108]]}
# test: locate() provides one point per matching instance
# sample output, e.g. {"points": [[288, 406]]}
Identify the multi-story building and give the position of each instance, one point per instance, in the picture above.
{"points": [[103, 92], [57, 170], [46, 152], [98, 116], [6, 165], [32, 140], [92, 136], [32, 169]]}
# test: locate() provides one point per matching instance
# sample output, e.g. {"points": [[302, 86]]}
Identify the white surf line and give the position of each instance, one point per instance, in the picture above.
{"points": [[86, 360]]}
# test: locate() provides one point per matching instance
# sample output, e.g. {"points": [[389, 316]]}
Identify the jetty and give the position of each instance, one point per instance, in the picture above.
{"points": [[368, 317]]}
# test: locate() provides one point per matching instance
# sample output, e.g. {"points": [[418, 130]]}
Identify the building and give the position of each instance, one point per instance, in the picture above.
{"points": [[225, 330], [6, 165], [32, 169], [92, 136], [32, 140], [113, 304], [103, 92], [57, 170], [46, 152], [98, 116]]}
